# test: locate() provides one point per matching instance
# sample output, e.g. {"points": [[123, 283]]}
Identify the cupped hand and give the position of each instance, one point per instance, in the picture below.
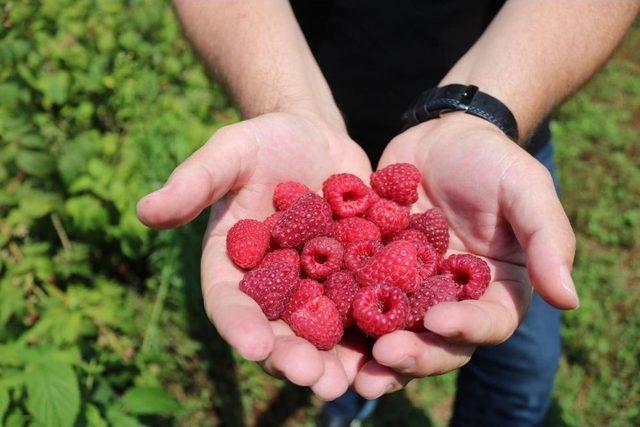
{"points": [[236, 172], [501, 205]]}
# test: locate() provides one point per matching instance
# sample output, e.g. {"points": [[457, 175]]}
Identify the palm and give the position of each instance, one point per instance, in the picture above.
{"points": [[238, 169]]}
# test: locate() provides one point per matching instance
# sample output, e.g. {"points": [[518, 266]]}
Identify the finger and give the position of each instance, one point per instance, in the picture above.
{"points": [[419, 354], [491, 319], [532, 207], [202, 179], [334, 382], [374, 380], [294, 358], [353, 351]]}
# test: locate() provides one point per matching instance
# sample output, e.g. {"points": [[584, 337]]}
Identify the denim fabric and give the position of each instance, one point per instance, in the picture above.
{"points": [[505, 385]]}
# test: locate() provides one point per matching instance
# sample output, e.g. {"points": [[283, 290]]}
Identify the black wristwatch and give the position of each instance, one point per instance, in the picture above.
{"points": [[455, 97]]}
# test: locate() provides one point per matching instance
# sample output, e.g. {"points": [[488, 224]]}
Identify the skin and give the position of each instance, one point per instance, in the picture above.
{"points": [[499, 200]]}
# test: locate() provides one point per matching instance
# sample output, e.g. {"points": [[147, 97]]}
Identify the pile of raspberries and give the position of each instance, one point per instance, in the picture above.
{"points": [[355, 257]]}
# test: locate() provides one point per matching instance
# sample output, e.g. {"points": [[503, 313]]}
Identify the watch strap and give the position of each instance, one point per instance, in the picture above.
{"points": [[468, 98]]}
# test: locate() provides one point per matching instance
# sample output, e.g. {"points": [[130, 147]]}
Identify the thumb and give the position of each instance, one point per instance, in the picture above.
{"points": [[201, 180], [541, 226]]}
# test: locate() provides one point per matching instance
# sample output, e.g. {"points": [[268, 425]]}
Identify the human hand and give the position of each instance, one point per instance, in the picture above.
{"points": [[236, 172], [501, 205]]}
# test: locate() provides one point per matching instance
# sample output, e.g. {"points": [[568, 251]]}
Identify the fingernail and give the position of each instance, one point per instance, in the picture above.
{"points": [[567, 283], [407, 364]]}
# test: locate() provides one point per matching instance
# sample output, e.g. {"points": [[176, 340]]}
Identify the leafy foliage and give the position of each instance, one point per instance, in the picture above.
{"points": [[100, 318]]}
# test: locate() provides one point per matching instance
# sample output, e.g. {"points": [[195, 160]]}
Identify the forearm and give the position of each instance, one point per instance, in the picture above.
{"points": [[536, 53], [257, 50]]}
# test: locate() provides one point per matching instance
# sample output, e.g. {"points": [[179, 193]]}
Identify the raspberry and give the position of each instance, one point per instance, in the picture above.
{"points": [[434, 225], [347, 195], [418, 238], [432, 291], [428, 261], [395, 264], [321, 256], [288, 192], [281, 255], [271, 220], [468, 271], [355, 229], [307, 290], [357, 253], [398, 182], [341, 288], [271, 287], [389, 216], [308, 217], [318, 321], [380, 309], [247, 242]]}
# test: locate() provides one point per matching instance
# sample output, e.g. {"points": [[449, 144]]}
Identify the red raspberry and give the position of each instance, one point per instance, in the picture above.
{"points": [[307, 290], [308, 217], [321, 256], [288, 192], [434, 225], [389, 216], [468, 271], [247, 242], [380, 309], [428, 261], [341, 288], [281, 255], [347, 195], [354, 229], [395, 264], [271, 287], [271, 220], [357, 253], [418, 238], [318, 321], [432, 291], [398, 182]]}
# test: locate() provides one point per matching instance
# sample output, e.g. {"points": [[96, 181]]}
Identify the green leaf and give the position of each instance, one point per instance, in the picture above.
{"points": [[87, 213], [37, 204], [93, 417], [36, 163], [120, 419], [55, 87], [4, 402], [53, 397], [149, 400], [15, 419]]}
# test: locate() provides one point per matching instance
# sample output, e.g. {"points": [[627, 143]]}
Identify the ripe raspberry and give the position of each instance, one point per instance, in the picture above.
{"points": [[418, 238], [380, 309], [321, 256], [247, 242], [308, 217], [318, 321], [288, 192], [271, 220], [354, 229], [434, 225], [432, 291], [389, 216], [398, 182], [271, 287], [357, 253], [307, 290], [428, 261], [281, 255], [347, 195], [395, 264], [468, 271], [341, 288]]}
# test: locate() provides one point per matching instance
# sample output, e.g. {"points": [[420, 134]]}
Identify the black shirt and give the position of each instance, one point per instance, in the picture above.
{"points": [[378, 56]]}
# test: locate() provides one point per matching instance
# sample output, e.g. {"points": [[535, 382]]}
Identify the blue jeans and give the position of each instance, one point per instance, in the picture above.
{"points": [[508, 384]]}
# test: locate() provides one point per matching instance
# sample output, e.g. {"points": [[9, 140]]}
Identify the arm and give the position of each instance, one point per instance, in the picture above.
{"points": [[536, 53], [293, 131], [500, 202]]}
